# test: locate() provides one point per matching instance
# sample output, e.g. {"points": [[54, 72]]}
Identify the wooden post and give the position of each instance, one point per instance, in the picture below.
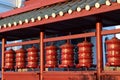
{"points": [[41, 55], [99, 52], [3, 51]]}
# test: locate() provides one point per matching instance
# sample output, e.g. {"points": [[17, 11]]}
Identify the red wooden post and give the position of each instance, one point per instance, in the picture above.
{"points": [[99, 49], [41, 55], [3, 51]]}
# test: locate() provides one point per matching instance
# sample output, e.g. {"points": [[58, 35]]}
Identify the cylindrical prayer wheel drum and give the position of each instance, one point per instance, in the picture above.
{"points": [[51, 56], [9, 59], [113, 52], [20, 58], [32, 57], [84, 54], [67, 56]]}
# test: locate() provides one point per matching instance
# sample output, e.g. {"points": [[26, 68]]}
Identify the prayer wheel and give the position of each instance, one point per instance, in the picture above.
{"points": [[32, 57], [51, 56], [9, 59], [84, 54], [113, 52], [20, 58], [67, 56]]}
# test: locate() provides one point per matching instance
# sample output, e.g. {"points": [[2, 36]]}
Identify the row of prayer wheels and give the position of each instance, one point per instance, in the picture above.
{"points": [[20, 58], [67, 55], [113, 52], [84, 54]]}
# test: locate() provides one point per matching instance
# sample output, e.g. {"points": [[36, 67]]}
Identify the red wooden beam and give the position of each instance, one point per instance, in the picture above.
{"points": [[70, 75], [51, 75], [63, 73], [22, 43], [28, 2], [108, 32], [21, 75], [30, 7], [75, 14], [112, 73], [52, 39], [90, 34]]}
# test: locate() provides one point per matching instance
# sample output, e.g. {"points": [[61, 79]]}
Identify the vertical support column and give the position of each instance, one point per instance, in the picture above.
{"points": [[99, 52], [3, 51], [41, 55]]}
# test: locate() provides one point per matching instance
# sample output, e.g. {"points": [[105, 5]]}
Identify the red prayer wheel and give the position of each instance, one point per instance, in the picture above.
{"points": [[84, 54], [32, 57], [113, 52], [20, 58], [67, 56], [51, 56], [32, 64], [9, 59]]}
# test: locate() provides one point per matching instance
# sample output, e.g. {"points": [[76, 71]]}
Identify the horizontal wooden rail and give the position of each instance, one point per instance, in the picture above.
{"points": [[91, 34], [75, 36], [114, 31], [111, 73], [22, 43]]}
